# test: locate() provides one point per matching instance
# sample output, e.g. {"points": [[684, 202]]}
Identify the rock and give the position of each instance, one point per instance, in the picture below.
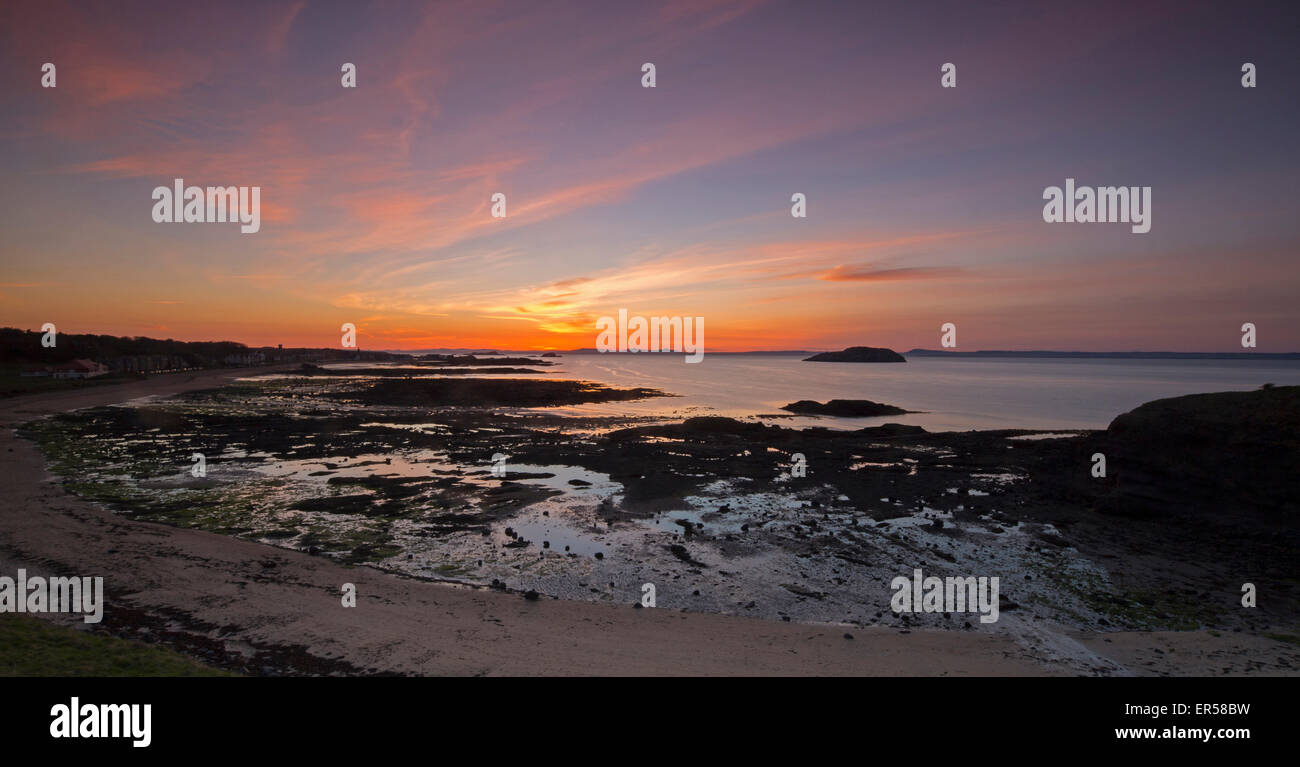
{"points": [[858, 354], [1055, 540], [532, 596], [1229, 453], [681, 553], [890, 430], [716, 424], [844, 408]]}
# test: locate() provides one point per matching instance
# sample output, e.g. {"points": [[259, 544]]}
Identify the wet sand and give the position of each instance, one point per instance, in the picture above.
{"points": [[260, 609]]}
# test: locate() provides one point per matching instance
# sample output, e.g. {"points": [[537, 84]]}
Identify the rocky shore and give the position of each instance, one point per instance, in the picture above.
{"points": [[469, 480]]}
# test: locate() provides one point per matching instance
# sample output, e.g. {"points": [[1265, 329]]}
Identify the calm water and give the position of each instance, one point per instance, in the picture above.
{"points": [[956, 393]]}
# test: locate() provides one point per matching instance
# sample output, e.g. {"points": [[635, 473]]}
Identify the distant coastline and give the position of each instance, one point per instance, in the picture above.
{"points": [[19, 346], [1044, 354], [1112, 355]]}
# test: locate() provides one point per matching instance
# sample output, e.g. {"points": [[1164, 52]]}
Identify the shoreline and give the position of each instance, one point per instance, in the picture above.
{"points": [[245, 605]]}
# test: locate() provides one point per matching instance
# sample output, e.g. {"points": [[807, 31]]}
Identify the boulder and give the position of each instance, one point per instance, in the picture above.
{"points": [[1222, 453]]}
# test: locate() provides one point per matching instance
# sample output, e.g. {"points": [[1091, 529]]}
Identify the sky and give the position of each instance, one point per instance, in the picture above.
{"points": [[924, 203]]}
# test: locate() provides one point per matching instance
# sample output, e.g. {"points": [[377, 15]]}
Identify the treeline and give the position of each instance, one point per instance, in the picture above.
{"points": [[25, 346]]}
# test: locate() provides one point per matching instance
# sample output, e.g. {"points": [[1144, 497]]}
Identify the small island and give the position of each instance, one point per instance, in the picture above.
{"points": [[845, 408], [858, 354]]}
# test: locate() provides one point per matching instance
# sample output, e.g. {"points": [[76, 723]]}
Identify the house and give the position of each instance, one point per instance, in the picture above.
{"points": [[247, 359], [80, 369]]}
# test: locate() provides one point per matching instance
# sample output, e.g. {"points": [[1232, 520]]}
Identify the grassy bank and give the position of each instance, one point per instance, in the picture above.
{"points": [[33, 647]]}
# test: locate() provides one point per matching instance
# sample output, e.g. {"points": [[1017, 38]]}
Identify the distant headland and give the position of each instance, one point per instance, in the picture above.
{"points": [[1113, 355]]}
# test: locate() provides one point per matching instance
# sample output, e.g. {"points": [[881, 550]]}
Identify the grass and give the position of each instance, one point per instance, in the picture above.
{"points": [[31, 646]]}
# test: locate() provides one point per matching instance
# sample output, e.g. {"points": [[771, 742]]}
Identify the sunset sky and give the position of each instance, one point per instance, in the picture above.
{"points": [[924, 203]]}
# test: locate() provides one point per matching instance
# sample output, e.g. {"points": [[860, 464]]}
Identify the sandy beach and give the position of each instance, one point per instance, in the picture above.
{"points": [[261, 609]]}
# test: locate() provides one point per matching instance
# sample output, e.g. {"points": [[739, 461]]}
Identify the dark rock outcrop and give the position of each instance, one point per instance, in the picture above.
{"points": [[486, 392], [891, 430], [858, 354], [1223, 453], [845, 408]]}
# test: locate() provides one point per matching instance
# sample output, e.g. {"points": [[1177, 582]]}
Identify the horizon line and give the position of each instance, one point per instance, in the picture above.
{"points": [[593, 350]]}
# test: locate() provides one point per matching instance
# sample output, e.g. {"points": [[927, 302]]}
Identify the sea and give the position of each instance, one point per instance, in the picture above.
{"points": [[948, 393]]}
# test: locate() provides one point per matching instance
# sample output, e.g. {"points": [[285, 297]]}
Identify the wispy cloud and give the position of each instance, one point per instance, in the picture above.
{"points": [[868, 273]]}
